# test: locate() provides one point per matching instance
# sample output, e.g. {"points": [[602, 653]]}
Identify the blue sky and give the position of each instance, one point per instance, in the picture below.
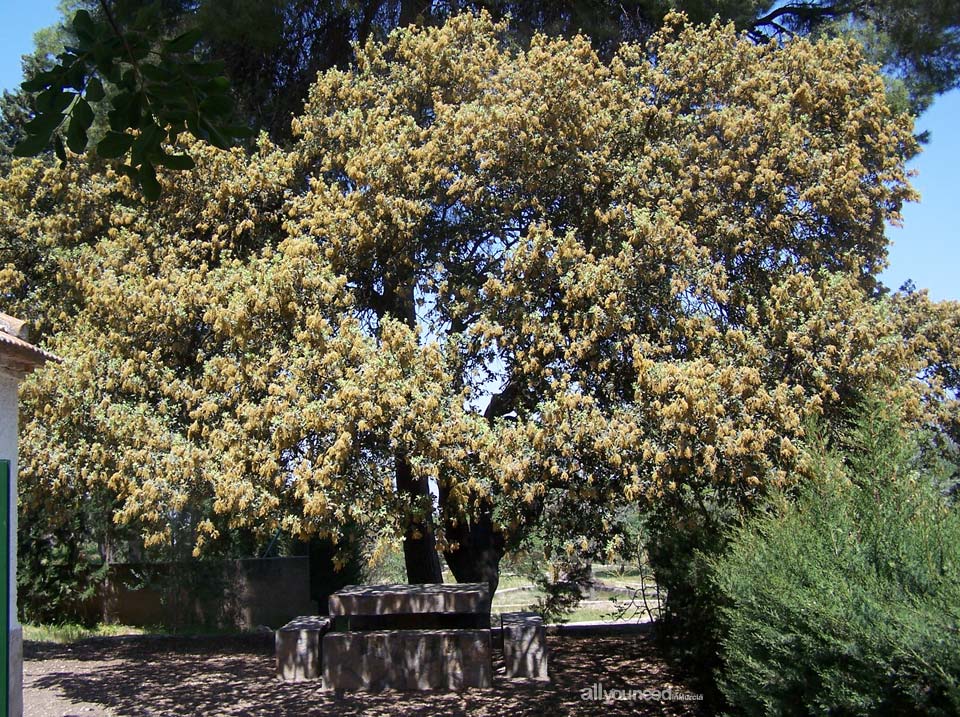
{"points": [[926, 249], [19, 19]]}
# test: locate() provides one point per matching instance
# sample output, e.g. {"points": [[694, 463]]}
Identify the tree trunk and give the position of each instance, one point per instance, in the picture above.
{"points": [[419, 543], [480, 548]]}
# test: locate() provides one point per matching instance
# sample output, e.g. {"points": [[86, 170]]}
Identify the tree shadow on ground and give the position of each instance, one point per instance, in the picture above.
{"points": [[235, 676]]}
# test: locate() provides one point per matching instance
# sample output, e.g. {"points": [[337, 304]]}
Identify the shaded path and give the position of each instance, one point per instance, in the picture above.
{"points": [[234, 676]]}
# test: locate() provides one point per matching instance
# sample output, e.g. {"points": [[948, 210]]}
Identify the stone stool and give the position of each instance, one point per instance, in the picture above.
{"points": [[299, 648], [524, 646]]}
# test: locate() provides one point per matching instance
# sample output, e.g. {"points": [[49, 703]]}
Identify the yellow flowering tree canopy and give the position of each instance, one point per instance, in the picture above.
{"points": [[488, 289]]}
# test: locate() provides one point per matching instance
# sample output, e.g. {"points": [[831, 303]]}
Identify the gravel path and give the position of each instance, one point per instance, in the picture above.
{"points": [[234, 677]]}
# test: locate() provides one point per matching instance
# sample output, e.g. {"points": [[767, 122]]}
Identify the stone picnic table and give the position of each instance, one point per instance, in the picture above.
{"points": [[408, 637]]}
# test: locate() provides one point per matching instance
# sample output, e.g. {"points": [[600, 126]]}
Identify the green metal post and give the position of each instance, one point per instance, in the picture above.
{"points": [[5, 587]]}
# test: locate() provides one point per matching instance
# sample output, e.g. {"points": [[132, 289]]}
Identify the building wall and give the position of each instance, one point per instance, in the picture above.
{"points": [[9, 411]]}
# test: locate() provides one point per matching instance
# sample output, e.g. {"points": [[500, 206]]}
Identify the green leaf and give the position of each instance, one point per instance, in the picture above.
{"points": [[54, 100], [76, 136], [146, 16], [31, 145], [217, 105], [114, 144], [76, 75], [237, 131], [103, 61], [205, 69], [148, 181], [59, 150], [129, 79], [40, 81], [138, 46], [148, 142], [155, 72], [115, 74], [214, 135], [175, 161], [125, 112], [173, 116], [86, 41], [44, 124], [184, 42], [153, 134], [167, 93], [82, 113], [83, 22], [127, 170], [217, 85], [94, 90]]}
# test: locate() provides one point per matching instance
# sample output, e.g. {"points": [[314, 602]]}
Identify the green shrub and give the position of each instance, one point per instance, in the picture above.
{"points": [[845, 599], [59, 568], [680, 537]]}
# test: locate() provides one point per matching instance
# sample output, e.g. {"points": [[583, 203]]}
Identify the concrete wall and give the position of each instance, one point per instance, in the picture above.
{"points": [[9, 412], [239, 594]]}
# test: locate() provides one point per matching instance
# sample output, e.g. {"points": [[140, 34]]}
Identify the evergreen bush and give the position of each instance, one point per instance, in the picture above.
{"points": [[845, 598]]}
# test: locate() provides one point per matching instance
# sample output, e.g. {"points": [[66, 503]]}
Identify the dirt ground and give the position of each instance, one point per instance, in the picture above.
{"points": [[235, 676]]}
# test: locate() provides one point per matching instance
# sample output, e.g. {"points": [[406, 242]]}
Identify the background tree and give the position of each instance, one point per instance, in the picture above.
{"points": [[271, 51]]}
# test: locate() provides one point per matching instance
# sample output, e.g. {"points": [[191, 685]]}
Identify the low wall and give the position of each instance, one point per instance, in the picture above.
{"points": [[239, 594]]}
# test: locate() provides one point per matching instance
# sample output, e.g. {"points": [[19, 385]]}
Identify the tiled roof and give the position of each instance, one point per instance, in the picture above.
{"points": [[16, 349]]}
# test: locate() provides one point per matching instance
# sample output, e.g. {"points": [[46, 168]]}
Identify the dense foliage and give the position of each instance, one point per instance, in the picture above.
{"points": [[846, 600], [541, 282]]}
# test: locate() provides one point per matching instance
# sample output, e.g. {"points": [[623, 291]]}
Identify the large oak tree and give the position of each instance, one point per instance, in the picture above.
{"points": [[488, 289]]}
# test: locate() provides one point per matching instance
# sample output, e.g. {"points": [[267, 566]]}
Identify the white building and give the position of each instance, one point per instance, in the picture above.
{"points": [[17, 359]]}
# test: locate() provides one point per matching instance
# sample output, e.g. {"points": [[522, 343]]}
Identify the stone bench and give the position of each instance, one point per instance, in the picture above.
{"points": [[298, 645], [524, 645]]}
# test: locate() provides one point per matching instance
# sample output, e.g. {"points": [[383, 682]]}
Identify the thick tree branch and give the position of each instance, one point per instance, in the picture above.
{"points": [[809, 12]]}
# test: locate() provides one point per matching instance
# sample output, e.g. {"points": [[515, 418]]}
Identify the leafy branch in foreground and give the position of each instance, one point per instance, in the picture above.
{"points": [[154, 91]]}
